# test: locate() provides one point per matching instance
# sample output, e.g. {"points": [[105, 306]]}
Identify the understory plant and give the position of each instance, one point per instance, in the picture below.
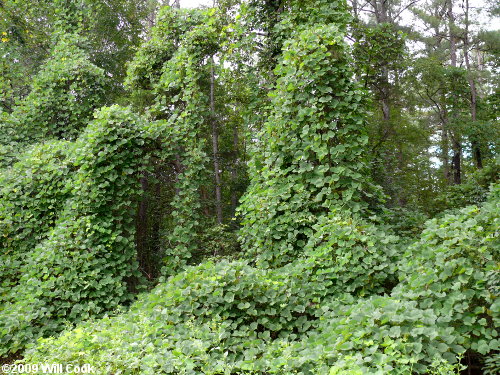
{"points": [[230, 318]]}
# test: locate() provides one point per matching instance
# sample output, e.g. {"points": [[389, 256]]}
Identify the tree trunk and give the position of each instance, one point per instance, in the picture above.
{"points": [[476, 150], [456, 162], [355, 8], [142, 228], [234, 172], [380, 9], [445, 153], [156, 238], [445, 142], [215, 147], [451, 32], [205, 199]]}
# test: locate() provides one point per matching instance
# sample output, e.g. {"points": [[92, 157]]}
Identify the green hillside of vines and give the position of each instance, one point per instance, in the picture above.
{"points": [[250, 187]]}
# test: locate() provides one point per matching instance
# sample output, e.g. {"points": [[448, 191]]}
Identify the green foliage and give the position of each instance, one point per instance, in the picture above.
{"points": [[180, 95], [229, 304], [68, 227], [311, 156], [232, 307], [11, 140], [492, 364], [321, 290], [32, 194], [378, 50], [349, 366], [405, 222], [444, 304], [231, 318], [145, 70], [112, 29], [79, 262], [473, 191], [398, 142], [175, 75], [341, 243], [219, 241], [279, 21], [379, 335], [453, 269], [9, 82], [64, 96]]}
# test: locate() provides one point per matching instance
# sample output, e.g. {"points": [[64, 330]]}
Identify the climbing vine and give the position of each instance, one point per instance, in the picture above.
{"points": [[311, 158], [70, 231], [64, 95], [71, 250], [91, 196], [176, 75]]}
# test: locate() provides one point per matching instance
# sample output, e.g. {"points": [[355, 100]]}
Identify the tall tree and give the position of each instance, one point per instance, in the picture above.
{"points": [[310, 157]]}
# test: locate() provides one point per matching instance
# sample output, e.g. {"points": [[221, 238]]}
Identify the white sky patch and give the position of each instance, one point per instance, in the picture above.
{"points": [[195, 3]]}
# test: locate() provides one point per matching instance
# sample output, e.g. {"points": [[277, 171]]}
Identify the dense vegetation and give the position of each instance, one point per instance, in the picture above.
{"points": [[259, 187]]}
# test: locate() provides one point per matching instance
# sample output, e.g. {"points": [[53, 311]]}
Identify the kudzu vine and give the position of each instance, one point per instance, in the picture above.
{"points": [[71, 252], [69, 232], [175, 74], [321, 288], [64, 95], [311, 158]]}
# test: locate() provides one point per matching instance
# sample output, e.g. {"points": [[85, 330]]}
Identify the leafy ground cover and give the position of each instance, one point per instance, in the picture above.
{"points": [[349, 251], [311, 316]]}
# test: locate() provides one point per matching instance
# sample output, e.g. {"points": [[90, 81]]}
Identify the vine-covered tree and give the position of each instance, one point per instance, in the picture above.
{"points": [[311, 155]]}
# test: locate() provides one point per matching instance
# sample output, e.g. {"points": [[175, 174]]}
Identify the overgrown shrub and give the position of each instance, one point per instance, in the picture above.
{"points": [[32, 193], [172, 70], [65, 94], [150, 61], [74, 249], [380, 335], [306, 317], [11, 142], [453, 269], [63, 97], [473, 191], [349, 255], [313, 141], [231, 311], [404, 221], [218, 241]]}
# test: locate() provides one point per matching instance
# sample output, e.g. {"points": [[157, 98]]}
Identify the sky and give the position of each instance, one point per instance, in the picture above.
{"points": [[195, 3]]}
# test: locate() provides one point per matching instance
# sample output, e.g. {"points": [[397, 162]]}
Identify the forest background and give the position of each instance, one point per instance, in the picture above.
{"points": [[277, 186]]}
